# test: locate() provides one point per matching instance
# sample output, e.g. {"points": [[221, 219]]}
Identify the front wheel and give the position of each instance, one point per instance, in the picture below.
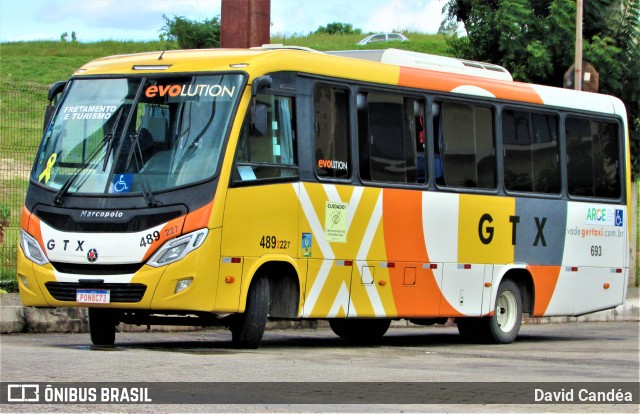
{"points": [[247, 328], [102, 326]]}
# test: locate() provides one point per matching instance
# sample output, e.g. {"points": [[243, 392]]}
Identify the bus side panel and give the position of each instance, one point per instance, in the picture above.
{"points": [[343, 225], [415, 280], [258, 220], [327, 300], [595, 248]]}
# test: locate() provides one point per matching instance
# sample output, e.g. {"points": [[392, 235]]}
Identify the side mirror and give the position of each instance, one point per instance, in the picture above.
{"points": [[53, 96], [258, 120], [258, 110], [260, 83], [55, 90]]}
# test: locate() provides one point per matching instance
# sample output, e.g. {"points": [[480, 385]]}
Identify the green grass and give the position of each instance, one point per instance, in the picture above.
{"points": [[44, 62], [418, 42]]}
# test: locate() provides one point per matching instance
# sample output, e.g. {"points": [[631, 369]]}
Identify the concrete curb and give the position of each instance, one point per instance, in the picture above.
{"points": [[15, 318]]}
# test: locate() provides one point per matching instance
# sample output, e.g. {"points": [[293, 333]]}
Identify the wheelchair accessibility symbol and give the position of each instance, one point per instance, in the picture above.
{"points": [[121, 183], [619, 218]]}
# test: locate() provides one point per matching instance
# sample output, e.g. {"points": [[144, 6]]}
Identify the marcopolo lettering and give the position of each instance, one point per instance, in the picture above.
{"points": [[190, 90], [101, 214]]}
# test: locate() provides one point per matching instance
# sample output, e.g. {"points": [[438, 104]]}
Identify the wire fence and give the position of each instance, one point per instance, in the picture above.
{"points": [[21, 115]]}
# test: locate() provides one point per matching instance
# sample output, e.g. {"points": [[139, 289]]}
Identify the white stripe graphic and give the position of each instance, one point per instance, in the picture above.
{"points": [[318, 231], [341, 302], [361, 257], [325, 248], [314, 222]]}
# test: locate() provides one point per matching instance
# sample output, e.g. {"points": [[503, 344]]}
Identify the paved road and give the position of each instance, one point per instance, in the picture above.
{"points": [[577, 352]]}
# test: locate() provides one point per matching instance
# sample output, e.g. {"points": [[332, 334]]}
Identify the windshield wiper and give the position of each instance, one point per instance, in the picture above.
{"points": [[109, 136], [136, 152], [65, 187]]}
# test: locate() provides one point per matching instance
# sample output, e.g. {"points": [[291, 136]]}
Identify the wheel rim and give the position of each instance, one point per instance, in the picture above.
{"points": [[506, 311]]}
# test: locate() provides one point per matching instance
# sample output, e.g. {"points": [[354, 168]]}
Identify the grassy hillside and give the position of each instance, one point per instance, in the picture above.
{"points": [[44, 62]]}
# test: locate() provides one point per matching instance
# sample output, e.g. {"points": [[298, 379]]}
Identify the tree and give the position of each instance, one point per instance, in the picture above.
{"points": [[192, 34], [335, 27], [534, 39]]}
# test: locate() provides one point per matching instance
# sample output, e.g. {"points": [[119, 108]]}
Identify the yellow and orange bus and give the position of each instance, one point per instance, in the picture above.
{"points": [[229, 187]]}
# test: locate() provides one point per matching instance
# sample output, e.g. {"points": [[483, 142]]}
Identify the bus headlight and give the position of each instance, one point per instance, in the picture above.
{"points": [[176, 249], [31, 249]]}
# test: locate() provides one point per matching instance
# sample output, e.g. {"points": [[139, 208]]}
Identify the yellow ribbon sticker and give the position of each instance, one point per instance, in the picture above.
{"points": [[46, 174]]}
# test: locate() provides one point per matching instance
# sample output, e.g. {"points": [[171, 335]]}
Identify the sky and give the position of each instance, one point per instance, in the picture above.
{"points": [[95, 20]]}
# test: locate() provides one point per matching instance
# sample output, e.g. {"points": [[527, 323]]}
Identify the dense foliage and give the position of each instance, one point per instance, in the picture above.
{"points": [[534, 39], [191, 34], [338, 28]]}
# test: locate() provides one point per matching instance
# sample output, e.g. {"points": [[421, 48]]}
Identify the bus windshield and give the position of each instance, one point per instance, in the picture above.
{"points": [[142, 134]]}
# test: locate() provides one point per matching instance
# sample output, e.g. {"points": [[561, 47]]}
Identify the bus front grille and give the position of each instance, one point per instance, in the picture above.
{"points": [[97, 269], [65, 222], [118, 292]]}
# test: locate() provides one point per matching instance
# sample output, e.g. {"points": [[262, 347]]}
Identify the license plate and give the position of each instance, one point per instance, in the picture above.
{"points": [[92, 296]]}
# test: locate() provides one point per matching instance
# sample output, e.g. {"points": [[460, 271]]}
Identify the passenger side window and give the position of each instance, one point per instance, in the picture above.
{"points": [[467, 147], [530, 152], [593, 151], [390, 134], [268, 154], [331, 125]]}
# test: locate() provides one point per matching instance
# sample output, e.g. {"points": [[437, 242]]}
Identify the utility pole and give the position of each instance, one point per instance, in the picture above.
{"points": [[245, 23], [578, 60]]}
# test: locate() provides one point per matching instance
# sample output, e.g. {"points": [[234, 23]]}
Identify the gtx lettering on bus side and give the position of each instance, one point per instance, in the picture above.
{"points": [[485, 232]]}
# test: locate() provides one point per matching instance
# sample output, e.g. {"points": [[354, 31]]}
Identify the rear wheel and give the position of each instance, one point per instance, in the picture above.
{"points": [[247, 328], [102, 326], [471, 328], [504, 325], [361, 330]]}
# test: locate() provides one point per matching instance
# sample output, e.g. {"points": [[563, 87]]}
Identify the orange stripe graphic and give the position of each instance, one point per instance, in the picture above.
{"points": [[545, 279], [404, 243], [439, 81]]}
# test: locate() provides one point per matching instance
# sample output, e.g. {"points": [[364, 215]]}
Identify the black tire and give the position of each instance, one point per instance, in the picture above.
{"points": [[471, 328], [247, 328], [503, 326], [505, 323], [102, 326], [360, 330]]}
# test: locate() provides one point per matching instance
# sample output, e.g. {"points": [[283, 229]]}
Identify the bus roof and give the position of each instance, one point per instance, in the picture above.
{"points": [[394, 67]]}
